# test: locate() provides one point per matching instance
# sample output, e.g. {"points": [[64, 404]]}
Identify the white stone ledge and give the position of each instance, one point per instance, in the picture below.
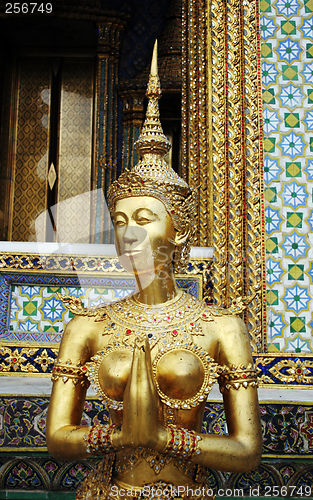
{"points": [[79, 249], [39, 386]]}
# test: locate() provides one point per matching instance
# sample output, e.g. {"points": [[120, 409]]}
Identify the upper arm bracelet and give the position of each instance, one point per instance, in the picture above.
{"points": [[66, 370], [238, 376]]}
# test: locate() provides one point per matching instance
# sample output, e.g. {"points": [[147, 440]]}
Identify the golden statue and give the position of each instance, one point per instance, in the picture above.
{"points": [[153, 356]]}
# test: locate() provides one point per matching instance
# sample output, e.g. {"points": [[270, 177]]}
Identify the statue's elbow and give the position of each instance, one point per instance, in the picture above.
{"points": [[52, 445], [253, 457]]}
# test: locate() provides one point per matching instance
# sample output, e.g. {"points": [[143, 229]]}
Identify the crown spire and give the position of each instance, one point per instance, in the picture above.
{"points": [[152, 139]]}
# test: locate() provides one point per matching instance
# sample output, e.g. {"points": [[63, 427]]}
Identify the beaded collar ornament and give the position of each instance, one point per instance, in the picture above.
{"points": [[152, 176]]}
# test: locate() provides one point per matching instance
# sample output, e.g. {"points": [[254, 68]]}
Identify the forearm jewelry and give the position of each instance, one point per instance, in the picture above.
{"points": [[182, 443], [99, 439]]}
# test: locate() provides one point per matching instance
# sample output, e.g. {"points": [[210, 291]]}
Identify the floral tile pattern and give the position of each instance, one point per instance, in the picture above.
{"points": [[287, 78]]}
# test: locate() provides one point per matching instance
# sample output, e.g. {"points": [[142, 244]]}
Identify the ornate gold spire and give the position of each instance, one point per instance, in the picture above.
{"points": [[152, 139], [152, 176]]}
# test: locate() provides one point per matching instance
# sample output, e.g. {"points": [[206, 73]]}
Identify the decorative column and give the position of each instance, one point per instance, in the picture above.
{"points": [[222, 147], [195, 112], [109, 37]]}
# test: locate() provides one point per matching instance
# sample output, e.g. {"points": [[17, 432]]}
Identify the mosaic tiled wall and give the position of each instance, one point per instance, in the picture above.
{"points": [[287, 73], [286, 433]]}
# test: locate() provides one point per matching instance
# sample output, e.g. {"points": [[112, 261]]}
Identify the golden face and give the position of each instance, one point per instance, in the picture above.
{"points": [[144, 234]]}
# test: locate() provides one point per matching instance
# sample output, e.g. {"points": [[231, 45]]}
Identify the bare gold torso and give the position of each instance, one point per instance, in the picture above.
{"points": [[179, 373]]}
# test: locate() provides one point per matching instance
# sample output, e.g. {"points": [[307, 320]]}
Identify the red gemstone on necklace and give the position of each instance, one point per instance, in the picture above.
{"points": [[191, 324], [128, 332], [299, 370], [175, 332]]}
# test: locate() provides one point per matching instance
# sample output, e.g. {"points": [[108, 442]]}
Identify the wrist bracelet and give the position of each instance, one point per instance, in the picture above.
{"points": [[99, 439], [182, 442]]}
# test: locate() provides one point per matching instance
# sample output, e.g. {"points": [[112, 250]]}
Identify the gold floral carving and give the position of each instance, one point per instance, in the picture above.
{"points": [[20, 360], [44, 360], [289, 370]]}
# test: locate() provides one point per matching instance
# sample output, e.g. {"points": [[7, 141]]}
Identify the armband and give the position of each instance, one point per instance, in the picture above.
{"points": [[237, 376], [69, 371], [182, 443], [99, 439]]}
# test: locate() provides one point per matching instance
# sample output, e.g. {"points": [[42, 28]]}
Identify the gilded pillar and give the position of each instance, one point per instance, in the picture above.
{"points": [[195, 112], [109, 37], [222, 147]]}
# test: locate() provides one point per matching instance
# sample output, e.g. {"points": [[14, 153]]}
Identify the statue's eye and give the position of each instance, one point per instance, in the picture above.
{"points": [[143, 220]]}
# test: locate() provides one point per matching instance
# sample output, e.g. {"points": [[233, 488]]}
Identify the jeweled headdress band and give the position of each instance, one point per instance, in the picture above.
{"points": [[152, 176]]}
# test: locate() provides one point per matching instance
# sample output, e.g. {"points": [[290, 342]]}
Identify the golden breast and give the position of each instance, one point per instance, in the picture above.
{"points": [[114, 373], [180, 374]]}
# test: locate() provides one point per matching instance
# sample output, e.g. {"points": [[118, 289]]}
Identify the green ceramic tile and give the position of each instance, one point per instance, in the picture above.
{"points": [[308, 5], [295, 272], [269, 96], [309, 50], [272, 297], [271, 245], [294, 219], [288, 27], [269, 144], [270, 194], [293, 169], [265, 6], [266, 50], [290, 72], [292, 120], [297, 324]]}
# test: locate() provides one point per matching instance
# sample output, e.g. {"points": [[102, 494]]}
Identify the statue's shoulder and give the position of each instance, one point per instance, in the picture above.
{"points": [[228, 327], [213, 313], [75, 306]]}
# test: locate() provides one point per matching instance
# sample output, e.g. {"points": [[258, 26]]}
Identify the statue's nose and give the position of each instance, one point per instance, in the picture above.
{"points": [[134, 234]]}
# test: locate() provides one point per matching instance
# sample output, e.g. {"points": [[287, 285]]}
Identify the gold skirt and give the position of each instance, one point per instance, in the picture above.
{"points": [[99, 485]]}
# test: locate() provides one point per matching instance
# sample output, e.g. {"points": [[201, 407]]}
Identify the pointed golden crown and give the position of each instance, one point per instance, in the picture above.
{"points": [[152, 139], [152, 176]]}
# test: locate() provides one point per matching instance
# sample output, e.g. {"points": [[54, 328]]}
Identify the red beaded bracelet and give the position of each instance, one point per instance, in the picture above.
{"points": [[182, 442], [99, 439]]}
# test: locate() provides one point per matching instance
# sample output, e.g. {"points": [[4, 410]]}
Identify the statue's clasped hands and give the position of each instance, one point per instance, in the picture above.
{"points": [[141, 426]]}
